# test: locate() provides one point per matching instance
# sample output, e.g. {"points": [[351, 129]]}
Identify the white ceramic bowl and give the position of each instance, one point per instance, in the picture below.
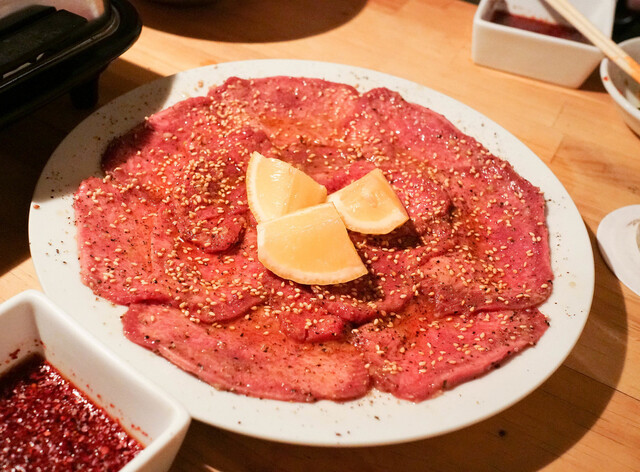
{"points": [[31, 324], [539, 56], [623, 89]]}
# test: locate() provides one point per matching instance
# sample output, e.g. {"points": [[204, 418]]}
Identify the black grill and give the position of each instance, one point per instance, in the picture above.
{"points": [[46, 52]]}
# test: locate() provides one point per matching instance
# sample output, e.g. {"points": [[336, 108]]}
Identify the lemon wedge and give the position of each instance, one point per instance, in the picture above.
{"points": [[309, 246], [275, 188], [370, 205]]}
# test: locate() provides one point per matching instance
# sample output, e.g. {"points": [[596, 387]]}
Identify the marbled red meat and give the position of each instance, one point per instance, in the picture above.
{"points": [[113, 229], [168, 232], [251, 355], [423, 354]]}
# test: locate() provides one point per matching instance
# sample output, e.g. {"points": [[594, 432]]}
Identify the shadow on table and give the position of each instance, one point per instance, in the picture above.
{"points": [[593, 83], [525, 437], [248, 21], [26, 147]]}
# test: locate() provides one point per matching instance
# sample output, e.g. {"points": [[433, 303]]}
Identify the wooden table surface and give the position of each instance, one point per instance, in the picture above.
{"points": [[587, 415]]}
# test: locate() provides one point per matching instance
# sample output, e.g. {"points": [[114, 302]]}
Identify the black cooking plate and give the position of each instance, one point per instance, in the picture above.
{"points": [[46, 52]]}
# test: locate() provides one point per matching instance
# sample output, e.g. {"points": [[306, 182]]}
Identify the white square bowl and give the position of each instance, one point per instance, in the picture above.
{"points": [[538, 56], [31, 324]]}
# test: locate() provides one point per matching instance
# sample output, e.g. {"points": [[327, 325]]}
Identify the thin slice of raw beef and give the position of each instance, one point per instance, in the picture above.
{"points": [[250, 356], [417, 357]]}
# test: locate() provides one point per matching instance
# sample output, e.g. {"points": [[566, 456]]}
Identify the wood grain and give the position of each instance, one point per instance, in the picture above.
{"points": [[586, 416]]}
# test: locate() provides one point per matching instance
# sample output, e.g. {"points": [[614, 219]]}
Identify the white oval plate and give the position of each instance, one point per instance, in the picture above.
{"points": [[378, 418]]}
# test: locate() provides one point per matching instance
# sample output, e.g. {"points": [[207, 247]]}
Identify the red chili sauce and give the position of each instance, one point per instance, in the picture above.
{"points": [[46, 423], [535, 25]]}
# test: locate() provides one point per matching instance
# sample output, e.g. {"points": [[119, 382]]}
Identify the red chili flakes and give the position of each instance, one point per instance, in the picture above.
{"points": [[46, 423]]}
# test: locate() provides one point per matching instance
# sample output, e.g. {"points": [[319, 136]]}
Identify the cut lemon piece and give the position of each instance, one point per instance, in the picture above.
{"points": [[370, 205], [309, 246], [275, 188]]}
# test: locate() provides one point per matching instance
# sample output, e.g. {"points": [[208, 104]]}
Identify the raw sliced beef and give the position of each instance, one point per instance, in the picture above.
{"points": [[418, 356], [251, 356], [448, 295], [115, 251]]}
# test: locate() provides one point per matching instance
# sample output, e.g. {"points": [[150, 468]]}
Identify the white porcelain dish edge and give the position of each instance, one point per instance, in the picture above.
{"points": [[31, 324]]}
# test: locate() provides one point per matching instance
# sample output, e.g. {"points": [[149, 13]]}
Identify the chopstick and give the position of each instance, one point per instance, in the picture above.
{"points": [[593, 34]]}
